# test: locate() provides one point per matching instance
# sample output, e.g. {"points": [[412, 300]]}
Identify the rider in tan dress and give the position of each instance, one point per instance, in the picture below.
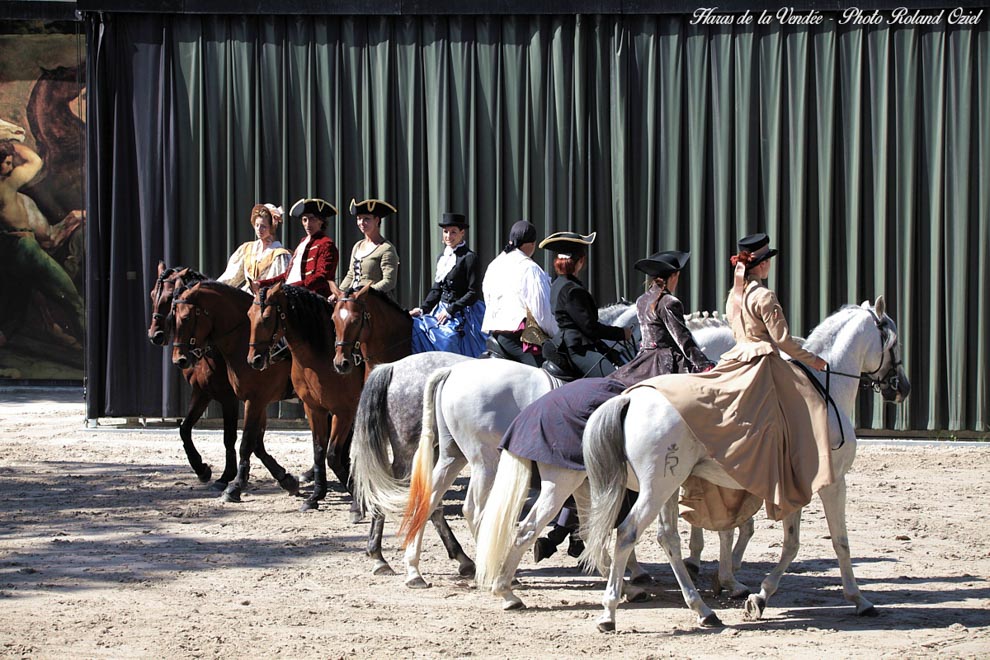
{"points": [[759, 416]]}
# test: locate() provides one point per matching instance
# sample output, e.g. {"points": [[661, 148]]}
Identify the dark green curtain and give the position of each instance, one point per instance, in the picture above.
{"points": [[864, 152]]}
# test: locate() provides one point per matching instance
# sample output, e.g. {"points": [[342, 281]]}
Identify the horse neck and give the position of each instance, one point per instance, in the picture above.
{"points": [[230, 332], [52, 115], [848, 349], [387, 324], [303, 353]]}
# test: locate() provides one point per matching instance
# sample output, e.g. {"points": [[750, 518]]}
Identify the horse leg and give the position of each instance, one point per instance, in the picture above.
{"points": [[254, 422], [444, 473], [695, 545], [555, 487], [671, 544], [229, 407], [465, 565], [746, 531], [642, 513], [725, 578], [756, 603], [197, 406], [375, 545], [288, 482], [319, 429], [339, 458], [834, 502]]}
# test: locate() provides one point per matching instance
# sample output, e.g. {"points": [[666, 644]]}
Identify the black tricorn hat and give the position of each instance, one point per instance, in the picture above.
{"points": [[378, 207], [758, 246], [453, 220], [321, 208], [663, 264]]}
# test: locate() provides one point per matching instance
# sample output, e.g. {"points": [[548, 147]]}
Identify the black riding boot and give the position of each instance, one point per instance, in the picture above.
{"points": [[547, 546]]}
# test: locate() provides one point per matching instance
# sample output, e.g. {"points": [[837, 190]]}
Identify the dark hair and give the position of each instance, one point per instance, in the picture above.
{"points": [[522, 232], [6, 149]]}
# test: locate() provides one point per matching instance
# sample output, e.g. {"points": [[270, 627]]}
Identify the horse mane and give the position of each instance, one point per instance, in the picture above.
{"points": [[699, 320], [387, 299], [309, 313], [825, 332]]}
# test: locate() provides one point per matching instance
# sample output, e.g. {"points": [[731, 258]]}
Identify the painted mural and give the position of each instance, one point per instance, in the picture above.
{"points": [[42, 218]]}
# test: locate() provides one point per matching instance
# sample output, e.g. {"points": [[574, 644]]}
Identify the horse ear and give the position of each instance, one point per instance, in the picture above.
{"points": [[335, 290], [275, 289], [161, 267], [183, 272], [880, 307], [363, 291], [255, 288]]}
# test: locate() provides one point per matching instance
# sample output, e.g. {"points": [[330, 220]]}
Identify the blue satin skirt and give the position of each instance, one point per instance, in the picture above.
{"points": [[460, 334]]}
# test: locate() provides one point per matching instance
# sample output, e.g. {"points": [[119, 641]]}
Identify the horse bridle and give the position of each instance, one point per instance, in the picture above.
{"points": [[159, 287], [194, 350], [867, 380], [279, 319], [356, 354]]}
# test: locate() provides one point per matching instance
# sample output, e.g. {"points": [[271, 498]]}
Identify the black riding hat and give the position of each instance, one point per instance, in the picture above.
{"points": [[663, 264], [453, 220], [758, 247]]}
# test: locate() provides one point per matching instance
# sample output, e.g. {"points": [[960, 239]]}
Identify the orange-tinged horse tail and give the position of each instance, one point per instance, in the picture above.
{"points": [[418, 507]]}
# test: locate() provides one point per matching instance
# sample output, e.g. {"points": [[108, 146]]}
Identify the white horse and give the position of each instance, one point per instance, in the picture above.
{"points": [[502, 541], [468, 408], [636, 437]]}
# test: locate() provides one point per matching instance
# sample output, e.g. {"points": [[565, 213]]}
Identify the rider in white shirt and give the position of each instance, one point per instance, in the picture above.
{"points": [[514, 287]]}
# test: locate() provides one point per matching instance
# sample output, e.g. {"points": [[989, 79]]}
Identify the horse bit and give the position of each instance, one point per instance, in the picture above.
{"points": [[356, 353]]}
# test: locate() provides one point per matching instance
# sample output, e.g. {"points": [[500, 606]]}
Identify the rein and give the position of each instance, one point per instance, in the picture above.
{"points": [[199, 309], [357, 352]]}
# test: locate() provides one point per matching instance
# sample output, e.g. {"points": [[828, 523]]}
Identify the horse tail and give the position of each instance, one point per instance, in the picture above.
{"points": [[605, 461], [375, 487], [421, 478], [497, 531]]}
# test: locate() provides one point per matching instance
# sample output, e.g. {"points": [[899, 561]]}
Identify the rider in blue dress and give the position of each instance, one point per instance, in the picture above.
{"points": [[449, 318]]}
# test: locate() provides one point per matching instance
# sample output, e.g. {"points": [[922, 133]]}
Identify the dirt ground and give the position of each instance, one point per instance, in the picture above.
{"points": [[109, 547]]}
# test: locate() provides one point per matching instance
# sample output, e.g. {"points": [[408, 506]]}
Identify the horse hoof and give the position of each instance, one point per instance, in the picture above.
{"points": [[418, 583], [711, 621], [606, 626], [514, 606], [754, 608], [637, 596], [716, 585], [219, 486], [467, 570], [309, 505], [870, 611], [289, 484], [741, 594], [383, 569], [205, 475], [307, 476], [693, 569], [357, 517], [644, 580], [232, 497]]}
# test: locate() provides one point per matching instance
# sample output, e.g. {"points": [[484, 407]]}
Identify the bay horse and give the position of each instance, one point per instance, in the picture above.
{"points": [[371, 329], [389, 421], [60, 138], [207, 377], [330, 399], [210, 313], [641, 434]]}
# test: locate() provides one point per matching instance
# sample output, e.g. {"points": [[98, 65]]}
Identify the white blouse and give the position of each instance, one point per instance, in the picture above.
{"points": [[514, 283], [252, 261]]}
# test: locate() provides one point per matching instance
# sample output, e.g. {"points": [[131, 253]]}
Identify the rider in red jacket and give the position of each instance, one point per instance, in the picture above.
{"points": [[314, 261]]}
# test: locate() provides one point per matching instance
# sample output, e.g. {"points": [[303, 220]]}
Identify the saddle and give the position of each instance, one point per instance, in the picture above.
{"points": [[557, 364]]}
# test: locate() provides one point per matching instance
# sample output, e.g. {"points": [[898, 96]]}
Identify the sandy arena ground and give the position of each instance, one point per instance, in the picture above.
{"points": [[110, 547]]}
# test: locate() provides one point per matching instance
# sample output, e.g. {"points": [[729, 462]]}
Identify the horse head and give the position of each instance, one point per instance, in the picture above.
{"points": [[889, 378], [267, 317], [193, 324], [350, 319], [161, 303]]}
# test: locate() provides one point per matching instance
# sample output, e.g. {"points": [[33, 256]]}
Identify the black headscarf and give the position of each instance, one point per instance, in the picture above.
{"points": [[521, 233]]}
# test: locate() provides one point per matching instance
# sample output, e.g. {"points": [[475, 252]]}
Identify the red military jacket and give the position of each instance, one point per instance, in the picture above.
{"points": [[318, 267]]}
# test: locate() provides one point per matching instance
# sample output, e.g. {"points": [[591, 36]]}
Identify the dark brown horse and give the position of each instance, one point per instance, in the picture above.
{"points": [[371, 329], [60, 138], [210, 313], [207, 378], [302, 318]]}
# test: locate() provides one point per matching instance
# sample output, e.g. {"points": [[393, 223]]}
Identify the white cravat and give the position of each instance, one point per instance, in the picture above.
{"points": [[446, 261], [295, 275]]}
